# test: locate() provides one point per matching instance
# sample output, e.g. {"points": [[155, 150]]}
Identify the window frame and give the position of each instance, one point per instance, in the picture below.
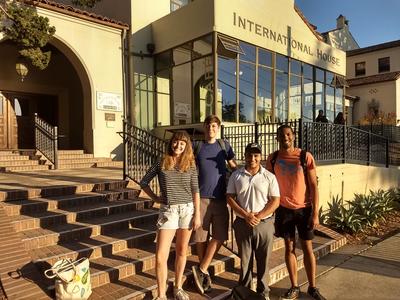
{"points": [[383, 67]]}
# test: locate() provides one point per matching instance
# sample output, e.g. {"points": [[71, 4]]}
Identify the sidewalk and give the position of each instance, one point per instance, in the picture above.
{"points": [[355, 272]]}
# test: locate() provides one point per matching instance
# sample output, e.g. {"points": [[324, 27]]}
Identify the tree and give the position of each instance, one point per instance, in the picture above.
{"points": [[85, 3], [31, 32]]}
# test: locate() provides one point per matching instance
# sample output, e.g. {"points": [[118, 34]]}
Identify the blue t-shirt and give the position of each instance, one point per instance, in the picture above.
{"points": [[211, 165]]}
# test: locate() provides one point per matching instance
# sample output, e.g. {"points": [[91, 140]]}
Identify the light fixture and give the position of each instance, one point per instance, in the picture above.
{"points": [[22, 68]]}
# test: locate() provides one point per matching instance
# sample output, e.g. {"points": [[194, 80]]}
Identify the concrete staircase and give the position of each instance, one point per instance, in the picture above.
{"points": [[31, 160], [113, 225]]}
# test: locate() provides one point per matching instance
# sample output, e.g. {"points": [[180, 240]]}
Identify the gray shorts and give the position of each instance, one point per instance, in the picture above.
{"points": [[214, 215], [176, 216]]}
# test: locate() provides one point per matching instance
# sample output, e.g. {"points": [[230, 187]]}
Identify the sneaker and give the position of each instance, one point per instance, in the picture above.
{"points": [[315, 294], [199, 278], [180, 294], [292, 293], [207, 284]]}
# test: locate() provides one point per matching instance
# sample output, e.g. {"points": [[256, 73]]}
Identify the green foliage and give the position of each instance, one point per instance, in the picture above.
{"points": [[362, 211], [85, 3], [30, 32]]}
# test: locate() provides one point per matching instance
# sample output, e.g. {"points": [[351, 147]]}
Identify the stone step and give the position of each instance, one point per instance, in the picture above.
{"points": [[62, 152], [18, 162], [64, 190], [115, 164], [48, 219], [13, 157], [97, 246], [77, 166], [24, 168], [8, 152], [71, 156], [31, 206], [143, 284], [66, 161], [43, 237]]}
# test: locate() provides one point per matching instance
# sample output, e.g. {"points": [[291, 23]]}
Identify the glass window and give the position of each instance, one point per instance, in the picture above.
{"points": [[202, 46], [264, 95], [182, 94], [21, 107], [163, 60], [203, 88], [176, 4], [338, 101], [319, 97], [182, 55], [295, 98], [249, 52], [281, 96], [319, 75], [282, 63], [330, 103], [247, 77], [330, 78], [384, 64], [308, 87], [360, 68], [308, 71], [295, 67], [227, 88], [144, 101], [265, 57]]}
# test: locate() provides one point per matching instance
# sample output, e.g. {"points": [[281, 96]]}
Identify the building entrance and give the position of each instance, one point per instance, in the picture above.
{"points": [[17, 112]]}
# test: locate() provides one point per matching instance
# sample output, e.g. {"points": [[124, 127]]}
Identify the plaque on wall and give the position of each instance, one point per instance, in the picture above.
{"points": [[109, 101], [109, 117]]}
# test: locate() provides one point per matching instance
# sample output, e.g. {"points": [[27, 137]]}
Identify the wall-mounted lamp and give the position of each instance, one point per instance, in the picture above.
{"points": [[22, 68]]}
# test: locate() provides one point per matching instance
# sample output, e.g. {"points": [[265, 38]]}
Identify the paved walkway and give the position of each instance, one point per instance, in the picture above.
{"points": [[355, 272], [38, 179]]}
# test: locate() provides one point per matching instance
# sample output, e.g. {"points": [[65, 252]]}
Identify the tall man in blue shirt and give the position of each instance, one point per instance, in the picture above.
{"points": [[212, 155]]}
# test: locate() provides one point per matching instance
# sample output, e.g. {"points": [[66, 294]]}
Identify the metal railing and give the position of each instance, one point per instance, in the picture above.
{"points": [[46, 140], [391, 132], [327, 142], [142, 150]]}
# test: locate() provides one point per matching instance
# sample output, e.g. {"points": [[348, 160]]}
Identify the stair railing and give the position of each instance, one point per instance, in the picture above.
{"points": [[46, 140], [142, 149]]}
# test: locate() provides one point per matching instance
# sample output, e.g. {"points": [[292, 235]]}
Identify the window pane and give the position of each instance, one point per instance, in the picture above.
{"points": [[384, 64], [182, 94], [281, 96], [330, 103], [163, 110], [338, 101], [202, 46], [249, 52], [295, 98], [203, 88], [308, 71], [264, 100], [360, 69], [247, 79], [319, 97], [163, 82], [308, 100], [282, 63], [295, 67], [181, 55], [227, 88], [330, 78], [319, 75], [265, 57], [163, 60]]}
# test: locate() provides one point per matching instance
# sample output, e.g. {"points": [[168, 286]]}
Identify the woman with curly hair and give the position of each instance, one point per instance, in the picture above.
{"points": [[179, 208]]}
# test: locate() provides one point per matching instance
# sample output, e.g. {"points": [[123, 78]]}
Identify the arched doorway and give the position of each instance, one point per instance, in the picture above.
{"points": [[60, 95]]}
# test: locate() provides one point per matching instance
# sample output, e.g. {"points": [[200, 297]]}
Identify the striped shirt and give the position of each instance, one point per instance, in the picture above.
{"points": [[176, 187]]}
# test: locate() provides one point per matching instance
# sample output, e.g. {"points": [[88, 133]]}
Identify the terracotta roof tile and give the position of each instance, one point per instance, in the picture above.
{"points": [[374, 48], [79, 13], [374, 79]]}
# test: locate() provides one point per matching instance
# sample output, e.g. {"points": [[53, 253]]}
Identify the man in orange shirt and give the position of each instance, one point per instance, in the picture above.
{"points": [[299, 204]]}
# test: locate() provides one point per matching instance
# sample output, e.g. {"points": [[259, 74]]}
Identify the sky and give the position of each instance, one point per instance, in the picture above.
{"points": [[371, 22]]}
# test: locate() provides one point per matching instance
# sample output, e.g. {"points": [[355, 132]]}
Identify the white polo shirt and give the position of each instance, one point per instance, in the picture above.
{"points": [[252, 191]]}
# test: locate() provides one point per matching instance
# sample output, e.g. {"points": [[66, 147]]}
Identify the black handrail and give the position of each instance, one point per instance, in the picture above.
{"points": [[46, 140]]}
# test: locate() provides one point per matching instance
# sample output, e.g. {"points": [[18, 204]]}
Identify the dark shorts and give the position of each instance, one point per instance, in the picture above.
{"points": [[287, 220], [215, 220]]}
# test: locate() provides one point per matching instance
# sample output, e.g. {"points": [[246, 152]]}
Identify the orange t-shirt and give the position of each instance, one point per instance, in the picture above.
{"points": [[290, 176]]}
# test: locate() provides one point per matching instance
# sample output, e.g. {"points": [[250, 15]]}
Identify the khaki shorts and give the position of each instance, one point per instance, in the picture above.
{"points": [[215, 220], [177, 216]]}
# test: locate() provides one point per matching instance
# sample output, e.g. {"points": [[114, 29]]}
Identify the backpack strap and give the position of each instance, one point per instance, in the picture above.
{"points": [[273, 160], [303, 162], [222, 144], [197, 146]]}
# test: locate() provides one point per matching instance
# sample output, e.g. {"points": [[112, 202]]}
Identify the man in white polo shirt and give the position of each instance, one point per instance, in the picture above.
{"points": [[253, 193]]}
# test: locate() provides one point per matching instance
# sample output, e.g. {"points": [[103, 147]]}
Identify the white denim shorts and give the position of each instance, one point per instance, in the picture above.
{"points": [[176, 216]]}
